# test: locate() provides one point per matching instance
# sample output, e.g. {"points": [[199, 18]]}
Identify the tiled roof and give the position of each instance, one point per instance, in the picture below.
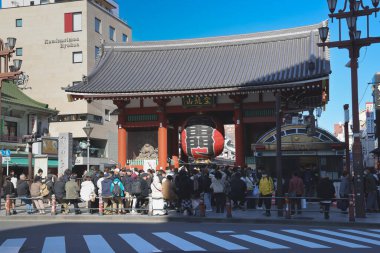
{"points": [[241, 62], [13, 95]]}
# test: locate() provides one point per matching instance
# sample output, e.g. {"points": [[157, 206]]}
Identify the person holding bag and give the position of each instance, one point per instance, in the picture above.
{"points": [[36, 192], [296, 190]]}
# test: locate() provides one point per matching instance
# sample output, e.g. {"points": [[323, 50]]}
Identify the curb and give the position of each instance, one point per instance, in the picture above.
{"points": [[162, 219]]}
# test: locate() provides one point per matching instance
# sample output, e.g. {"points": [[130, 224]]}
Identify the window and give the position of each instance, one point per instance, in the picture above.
{"points": [[98, 25], [77, 57], [125, 38], [73, 22], [19, 51], [19, 22], [112, 33], [97, 52], [107, 115]]}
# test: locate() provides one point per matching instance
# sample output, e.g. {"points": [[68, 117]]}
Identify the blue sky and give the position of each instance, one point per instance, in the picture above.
{"points": [[175, 19]]}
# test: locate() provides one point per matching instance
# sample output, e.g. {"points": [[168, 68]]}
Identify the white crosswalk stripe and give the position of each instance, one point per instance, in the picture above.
{"points": [[291, 239], [217, 241], [190, 241], [138, 243], [326, 239], [54, 245], [260, 242], [12, 245], [97, 244], [347, 236], [361, 233], [178, 242], [375, 230]]}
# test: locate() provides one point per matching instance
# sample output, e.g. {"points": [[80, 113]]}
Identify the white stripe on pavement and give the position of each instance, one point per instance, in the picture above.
{"points": [[217, 241], [97, 244], [361, 232], [12, 245], [291, 239], [54, 245], [260, 242], [347, 236], [225, 232], [138, 243], [324, 238], [17, 242], [178, 242], [375, 230]]}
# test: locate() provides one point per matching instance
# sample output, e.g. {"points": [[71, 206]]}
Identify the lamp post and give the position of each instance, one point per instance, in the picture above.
{"points": [[88, 129], [6, 73], [353, 9]]}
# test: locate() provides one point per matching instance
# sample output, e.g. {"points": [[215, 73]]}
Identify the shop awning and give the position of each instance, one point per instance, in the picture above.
{"points": [[24, 162]]}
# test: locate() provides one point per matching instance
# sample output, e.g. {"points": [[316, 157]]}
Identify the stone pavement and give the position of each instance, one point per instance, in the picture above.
{"points": [[309, 216]]}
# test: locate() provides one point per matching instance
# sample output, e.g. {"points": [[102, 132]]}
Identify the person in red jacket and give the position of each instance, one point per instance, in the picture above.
{"points": [[296, 190]]}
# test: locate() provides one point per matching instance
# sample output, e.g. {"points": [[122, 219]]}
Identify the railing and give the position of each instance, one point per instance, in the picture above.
{"points": [[129, 207]]}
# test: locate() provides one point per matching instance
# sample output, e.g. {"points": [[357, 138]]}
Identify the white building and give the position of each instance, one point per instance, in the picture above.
{"points": [[59, 42]]}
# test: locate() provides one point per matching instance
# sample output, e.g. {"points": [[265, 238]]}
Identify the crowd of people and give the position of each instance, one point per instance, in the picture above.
{"points": [[126, 190]]}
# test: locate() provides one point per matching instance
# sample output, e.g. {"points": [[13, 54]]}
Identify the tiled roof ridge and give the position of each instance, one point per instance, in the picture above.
{"points": [[259, 37]]}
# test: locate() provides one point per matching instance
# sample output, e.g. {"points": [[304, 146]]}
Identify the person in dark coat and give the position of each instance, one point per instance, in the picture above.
{"points": [[60, 194], [106, 193], [185, 186], [145, 190], [9, 189], [24, 194], [238, 191], [326, 192]]}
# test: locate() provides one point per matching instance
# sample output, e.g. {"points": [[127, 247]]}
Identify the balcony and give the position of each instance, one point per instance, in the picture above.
{"points": [[11, 139]]}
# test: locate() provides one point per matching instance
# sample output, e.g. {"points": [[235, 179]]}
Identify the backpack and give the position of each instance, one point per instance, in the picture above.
{"points": [[136, 187], [116, 191]]}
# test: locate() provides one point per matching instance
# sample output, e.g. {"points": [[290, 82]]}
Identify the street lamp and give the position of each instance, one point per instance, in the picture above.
{"points": [[88, 129], [7, 73], [353, 9]]}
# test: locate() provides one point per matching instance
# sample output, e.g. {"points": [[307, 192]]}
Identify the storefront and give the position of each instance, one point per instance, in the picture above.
{"points": [[317, 155]]}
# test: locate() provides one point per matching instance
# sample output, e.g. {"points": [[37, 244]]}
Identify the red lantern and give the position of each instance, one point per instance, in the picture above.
{"points": [[202, 137]]}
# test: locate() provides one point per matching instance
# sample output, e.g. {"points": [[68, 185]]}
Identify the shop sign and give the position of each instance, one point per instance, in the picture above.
{"points": [[202, 101]]}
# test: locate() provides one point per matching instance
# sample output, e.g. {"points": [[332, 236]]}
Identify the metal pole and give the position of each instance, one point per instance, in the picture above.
{"points": [[279, 155], [356, 147], [346, 139], [88, 153], [30, 162]]}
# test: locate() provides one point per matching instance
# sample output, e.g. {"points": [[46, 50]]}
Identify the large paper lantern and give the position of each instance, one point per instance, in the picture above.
{"points": [[202, 137]]}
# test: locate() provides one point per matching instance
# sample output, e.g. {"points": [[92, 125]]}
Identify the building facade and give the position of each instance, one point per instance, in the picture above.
{"points": [[22, 116], [59, 42]]}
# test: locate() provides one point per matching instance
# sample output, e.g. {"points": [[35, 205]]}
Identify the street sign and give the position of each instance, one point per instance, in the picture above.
{"points": [[6, 159], [6, 152]]}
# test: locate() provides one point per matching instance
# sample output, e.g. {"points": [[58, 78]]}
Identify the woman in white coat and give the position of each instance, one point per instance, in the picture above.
{"points": [[157, 197], [87, 192]]}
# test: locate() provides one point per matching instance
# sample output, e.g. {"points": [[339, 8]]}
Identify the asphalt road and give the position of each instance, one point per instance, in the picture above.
{"points": [[105, 237]]}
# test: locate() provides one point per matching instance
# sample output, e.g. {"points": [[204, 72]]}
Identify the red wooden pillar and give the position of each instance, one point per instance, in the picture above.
{"points": [[122, 146], [162, 141], [175, 148], [239, 138]]}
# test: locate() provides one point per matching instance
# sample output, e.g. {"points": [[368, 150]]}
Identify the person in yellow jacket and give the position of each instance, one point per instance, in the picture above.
{"points": [[266, 189]]}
